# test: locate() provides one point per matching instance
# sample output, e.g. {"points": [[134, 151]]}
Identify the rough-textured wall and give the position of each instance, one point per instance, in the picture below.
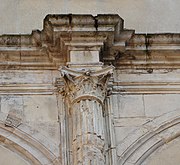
{"points": [[146, 117], [19, 16], [28, 116]]}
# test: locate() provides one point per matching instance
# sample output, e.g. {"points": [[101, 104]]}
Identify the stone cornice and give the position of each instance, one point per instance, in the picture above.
{"points": [[150, 52], [166, 41], [62, 33], [103, 33], [157, 82], [27, 89]]}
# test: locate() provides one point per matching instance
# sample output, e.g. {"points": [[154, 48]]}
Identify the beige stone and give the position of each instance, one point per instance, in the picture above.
{"points": [[131, 106], [40, 108], [165, 104], [167, 155], [61, 102], [8, 157], [84, 56]]}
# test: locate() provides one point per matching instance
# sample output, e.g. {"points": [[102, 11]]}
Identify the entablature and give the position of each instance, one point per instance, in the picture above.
{"points": [[64, 37]]}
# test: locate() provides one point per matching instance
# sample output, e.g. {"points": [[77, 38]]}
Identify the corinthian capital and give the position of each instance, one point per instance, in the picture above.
{"points": [[82, 85]]}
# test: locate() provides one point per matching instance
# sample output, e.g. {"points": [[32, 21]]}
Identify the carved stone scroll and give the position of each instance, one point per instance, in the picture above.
{"points": [[86, 91], [12, 121]]}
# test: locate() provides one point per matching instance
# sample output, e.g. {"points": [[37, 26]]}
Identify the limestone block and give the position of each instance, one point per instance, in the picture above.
{"points": [[156, 105], [114, 105], [3, 116], [124, 126], [128, 140], [131, 105], [12, 105], [122, 132], [48, 133], [40, 108], [84, 56], [26, 77], [131, 121], [55, 75], [158, 76]]}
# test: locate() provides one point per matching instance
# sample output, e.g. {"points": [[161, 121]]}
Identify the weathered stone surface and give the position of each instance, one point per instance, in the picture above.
{"points": [[166, 103], [167, 155], [12, 105], [131, 106], [40, 108], [92, 117], [86, 92], [12, 121], [7, 154], [141, 143]]}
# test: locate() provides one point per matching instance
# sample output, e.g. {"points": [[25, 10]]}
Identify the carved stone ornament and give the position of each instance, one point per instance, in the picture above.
{"points": [[82, 85], [86, 91], [12, 121]]}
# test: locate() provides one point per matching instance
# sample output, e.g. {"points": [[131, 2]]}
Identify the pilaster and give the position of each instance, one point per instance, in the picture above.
{"points": [[86, 91]]}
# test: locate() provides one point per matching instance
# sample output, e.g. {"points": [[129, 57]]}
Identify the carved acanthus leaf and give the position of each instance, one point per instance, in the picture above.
{"points": [[86, 84]]}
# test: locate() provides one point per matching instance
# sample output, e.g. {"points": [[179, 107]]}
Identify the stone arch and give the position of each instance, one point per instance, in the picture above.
{"points": [[139, 145], [28, 147]]}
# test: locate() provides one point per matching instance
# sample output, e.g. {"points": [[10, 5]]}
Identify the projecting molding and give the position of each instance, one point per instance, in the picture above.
{"points": [[65, 38], [103, 33]]}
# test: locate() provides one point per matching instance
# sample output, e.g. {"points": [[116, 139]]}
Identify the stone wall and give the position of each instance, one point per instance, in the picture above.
{"points": [[86, 90], [29, 117], [138, 114]]}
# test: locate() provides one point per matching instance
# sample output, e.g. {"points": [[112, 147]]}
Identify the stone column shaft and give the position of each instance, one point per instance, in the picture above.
{"points": [[86, 92]]}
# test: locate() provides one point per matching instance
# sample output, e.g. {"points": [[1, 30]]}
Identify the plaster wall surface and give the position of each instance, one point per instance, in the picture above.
{"points": [[146, 16]]}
